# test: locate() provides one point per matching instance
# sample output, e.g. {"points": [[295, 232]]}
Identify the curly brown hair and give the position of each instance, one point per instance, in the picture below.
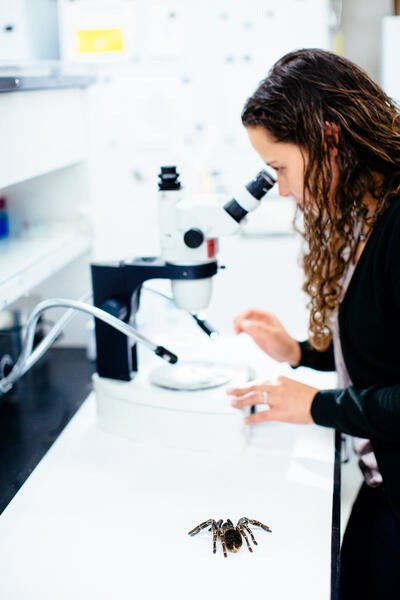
{"points": [[304, 91]]}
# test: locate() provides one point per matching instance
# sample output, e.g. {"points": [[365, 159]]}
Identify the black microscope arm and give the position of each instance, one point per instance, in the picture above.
{"points": [[116, 289]]}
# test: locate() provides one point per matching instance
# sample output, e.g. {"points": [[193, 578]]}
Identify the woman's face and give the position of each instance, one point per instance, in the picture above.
{"points": [[287, 160]]}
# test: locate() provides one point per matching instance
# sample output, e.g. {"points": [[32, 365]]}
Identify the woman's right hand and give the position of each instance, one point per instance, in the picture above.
{"points": [[269, 334]]}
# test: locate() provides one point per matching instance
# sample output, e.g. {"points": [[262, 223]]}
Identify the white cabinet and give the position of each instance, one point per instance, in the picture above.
{"points": [[44, 178], [42, 130]]}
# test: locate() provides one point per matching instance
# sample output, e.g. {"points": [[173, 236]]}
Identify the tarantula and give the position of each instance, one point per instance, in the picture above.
{"points": [[229, 535]]}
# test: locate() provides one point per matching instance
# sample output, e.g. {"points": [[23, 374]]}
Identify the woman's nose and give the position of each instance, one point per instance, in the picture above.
{"points": [[283, 188]]}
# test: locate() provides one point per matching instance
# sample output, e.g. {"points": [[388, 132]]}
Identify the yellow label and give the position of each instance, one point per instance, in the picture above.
{"points": [[100, 40]]}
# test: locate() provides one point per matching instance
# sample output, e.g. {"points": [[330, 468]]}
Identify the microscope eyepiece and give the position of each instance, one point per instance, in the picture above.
{"points": [[249, 198], [169, 179], [235, 210], [261, 184]]}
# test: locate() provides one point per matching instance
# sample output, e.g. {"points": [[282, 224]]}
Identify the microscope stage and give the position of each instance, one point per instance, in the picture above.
{"points": [[151, 409]]}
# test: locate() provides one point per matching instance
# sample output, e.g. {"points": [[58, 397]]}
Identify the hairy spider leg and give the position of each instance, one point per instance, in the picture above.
{"points": [[245, 521], [202, 526], [214, 533], [259, 524], [243, 533], [224, 547], [248, 529]]}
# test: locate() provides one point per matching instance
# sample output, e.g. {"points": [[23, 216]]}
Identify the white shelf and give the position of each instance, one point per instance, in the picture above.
{"points": [[28, 260]]}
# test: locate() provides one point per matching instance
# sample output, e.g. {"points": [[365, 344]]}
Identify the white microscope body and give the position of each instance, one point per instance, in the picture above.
{"points": [[190, 229]]}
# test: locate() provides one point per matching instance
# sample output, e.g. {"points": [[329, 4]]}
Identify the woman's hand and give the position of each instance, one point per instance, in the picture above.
{"points": [[269, 334], [287, 400]]}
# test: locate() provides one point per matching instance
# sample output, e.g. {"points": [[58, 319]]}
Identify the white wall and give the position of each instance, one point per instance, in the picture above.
{"points": [[362, 32], [176, 97]]}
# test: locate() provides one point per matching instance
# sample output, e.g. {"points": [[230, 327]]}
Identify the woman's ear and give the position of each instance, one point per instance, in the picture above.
{"points": [[332, 133], [332, 137]]}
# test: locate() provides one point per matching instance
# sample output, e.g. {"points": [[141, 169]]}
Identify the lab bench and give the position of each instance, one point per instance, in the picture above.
{"points": [[101, 516], [36, 411]]}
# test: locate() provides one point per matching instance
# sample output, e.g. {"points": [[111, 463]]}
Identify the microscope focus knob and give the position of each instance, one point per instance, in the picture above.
{"points": [[193, 238]]}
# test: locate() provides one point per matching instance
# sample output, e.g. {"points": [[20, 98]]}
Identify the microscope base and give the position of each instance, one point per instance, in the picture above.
{"points": [[194, 420]]}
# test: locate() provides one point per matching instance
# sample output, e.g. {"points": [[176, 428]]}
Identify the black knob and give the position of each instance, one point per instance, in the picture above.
{"points": [[193, 238]]}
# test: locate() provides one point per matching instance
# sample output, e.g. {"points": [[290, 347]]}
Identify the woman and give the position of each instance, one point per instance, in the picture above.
{"points": [[333, 138]]}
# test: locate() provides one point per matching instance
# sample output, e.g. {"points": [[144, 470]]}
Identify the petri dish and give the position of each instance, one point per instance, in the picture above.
{"points": [[198, 375]]}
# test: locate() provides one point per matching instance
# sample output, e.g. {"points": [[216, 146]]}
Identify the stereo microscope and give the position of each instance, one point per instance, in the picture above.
{"points": [[179, 404]]}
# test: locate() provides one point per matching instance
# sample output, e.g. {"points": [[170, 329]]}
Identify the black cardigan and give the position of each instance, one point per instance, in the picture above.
{"points": [[369, 323]]}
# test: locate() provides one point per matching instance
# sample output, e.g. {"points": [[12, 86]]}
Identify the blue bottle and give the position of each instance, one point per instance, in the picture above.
{"points": [[4, 225]]}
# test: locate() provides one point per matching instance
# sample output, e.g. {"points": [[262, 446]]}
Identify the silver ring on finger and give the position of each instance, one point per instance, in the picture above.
{"points": [[265, 398]]}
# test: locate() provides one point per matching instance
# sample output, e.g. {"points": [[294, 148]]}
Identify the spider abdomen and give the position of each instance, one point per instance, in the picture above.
{"points": [[233, 540]]}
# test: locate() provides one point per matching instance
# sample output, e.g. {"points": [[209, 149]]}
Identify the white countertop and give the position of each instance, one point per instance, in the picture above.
{"points": [[103, 517]]}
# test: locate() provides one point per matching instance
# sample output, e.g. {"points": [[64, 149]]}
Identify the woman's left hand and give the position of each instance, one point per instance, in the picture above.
{"points": [[288, 400]]}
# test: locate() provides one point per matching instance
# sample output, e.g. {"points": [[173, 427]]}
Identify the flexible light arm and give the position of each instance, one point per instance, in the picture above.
{"points": [[27, 358]]}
